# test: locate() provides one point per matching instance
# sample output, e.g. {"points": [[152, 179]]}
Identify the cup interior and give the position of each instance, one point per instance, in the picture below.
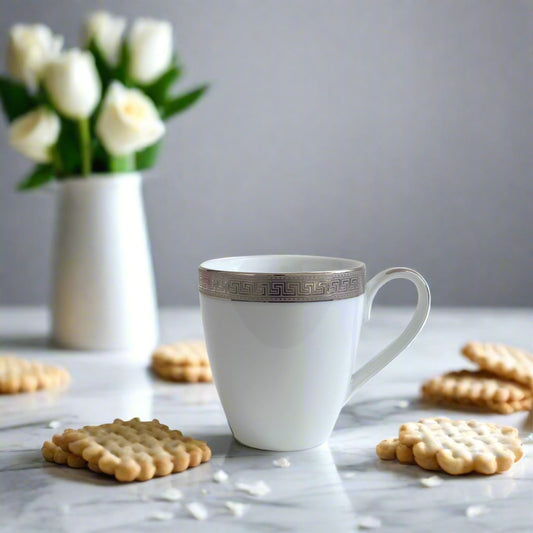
{"points": [[281, 264]]}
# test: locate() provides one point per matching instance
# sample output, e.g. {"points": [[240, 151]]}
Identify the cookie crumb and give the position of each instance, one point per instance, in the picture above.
{"points": [[476, 510], [430, 482], [171, 495], [197, 510], [368, 522], [236, 508], [282, 462], [259, 488], [528, 439], [402, 404], [161, 515], [220, 476]]}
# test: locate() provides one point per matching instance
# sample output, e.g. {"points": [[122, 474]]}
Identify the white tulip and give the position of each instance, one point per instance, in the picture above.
{"points": [[73, 84], [31, 47], [150, 46], [35, 133], [128, 121], [106, 31]]}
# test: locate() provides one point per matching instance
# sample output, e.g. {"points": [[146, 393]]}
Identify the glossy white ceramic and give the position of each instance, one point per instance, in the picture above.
{"points": [[283, 371], [103, 294]]}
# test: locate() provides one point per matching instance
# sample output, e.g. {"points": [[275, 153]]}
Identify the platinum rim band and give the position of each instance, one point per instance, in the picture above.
{"points": [[285, 287]]}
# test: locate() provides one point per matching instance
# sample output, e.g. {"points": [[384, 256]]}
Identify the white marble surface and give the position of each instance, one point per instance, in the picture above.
{"points": [[332, 488]]}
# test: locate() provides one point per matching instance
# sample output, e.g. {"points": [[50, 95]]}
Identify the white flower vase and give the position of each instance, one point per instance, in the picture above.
{"points": [[103, 295]]}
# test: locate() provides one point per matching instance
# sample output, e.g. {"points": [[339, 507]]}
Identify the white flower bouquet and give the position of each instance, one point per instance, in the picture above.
{"points": [[100, 109]]}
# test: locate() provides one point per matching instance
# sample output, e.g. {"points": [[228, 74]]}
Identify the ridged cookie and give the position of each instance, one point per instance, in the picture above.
{"points": [[184, 361], [479, 389], [54, 454], [505, 361], [390, 449], [20, 375], [460, 446], [133, 450]]}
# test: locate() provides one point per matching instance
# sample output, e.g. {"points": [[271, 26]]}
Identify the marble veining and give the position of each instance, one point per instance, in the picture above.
{"points": [[338, 487]]}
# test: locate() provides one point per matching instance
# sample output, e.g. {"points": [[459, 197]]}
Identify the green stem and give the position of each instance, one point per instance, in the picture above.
{"points": [[85, 146], [122, 163], [56, 161]]}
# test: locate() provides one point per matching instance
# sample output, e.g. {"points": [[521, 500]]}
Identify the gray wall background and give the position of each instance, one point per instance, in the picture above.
{"points": [[396, 132]]}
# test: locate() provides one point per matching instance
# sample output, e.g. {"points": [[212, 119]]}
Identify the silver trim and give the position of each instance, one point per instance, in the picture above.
{"points": [[286, 287]]}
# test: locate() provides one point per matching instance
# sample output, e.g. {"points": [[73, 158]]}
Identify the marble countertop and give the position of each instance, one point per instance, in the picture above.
{"points": [[338, 487]]}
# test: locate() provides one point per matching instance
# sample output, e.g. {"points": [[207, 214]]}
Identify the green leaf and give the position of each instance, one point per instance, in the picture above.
{"points": [[43, 98], [41, 175], [122, 71], [146, 158], [100, 157], [16, 100], [182, 102], [105, 70], [68, 147], [158, 90]]}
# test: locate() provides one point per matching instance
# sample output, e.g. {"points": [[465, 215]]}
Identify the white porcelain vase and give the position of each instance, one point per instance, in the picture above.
{"points": [[103, 291]]}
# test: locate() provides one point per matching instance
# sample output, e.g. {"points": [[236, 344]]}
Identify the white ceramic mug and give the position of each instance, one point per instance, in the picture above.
{"points": [[282, 332]]}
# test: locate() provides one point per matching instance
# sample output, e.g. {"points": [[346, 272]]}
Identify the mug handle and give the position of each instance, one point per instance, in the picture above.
{"points": [[408, 335]]}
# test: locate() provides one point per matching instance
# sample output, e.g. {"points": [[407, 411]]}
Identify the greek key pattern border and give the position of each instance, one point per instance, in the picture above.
{"points": [[287, 288]]}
